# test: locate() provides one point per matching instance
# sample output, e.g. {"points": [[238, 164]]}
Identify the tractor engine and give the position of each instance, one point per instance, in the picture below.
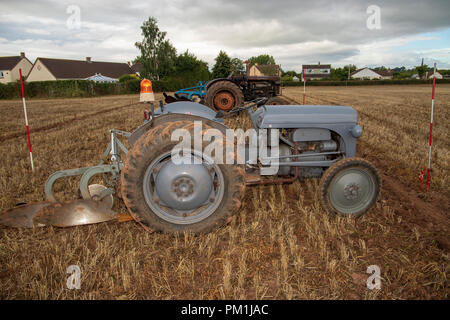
{"points": [[310, 150]]}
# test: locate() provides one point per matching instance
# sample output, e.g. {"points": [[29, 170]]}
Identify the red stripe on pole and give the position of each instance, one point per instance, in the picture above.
{"points": [[29, 140], [431, 133], [26, 119]]}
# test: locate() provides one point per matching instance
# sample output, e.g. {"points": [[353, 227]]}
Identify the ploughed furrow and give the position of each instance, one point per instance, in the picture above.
{"points": [[64, 122]]}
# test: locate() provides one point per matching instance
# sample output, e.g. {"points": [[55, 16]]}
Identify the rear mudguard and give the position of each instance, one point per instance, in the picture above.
{"points": [[179, 111]]}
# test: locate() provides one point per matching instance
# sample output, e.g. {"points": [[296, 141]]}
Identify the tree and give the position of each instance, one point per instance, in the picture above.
{"points": [[262, 59], [421, 70], [222, 67], [190, 69], [291, 74], [382, 68], [128, 77], [237, 66], [166, 58], [342, 73], [348, 70], [157, 54]]}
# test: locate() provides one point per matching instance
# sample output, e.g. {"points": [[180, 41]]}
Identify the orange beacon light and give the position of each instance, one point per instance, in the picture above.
{"points": [[146, 91]]}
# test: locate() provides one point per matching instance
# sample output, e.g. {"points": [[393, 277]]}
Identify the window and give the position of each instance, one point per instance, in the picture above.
{"points": [[1, 74]]}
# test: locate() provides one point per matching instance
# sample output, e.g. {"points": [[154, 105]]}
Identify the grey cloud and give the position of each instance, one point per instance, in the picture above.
{"points": [[235, 25]]}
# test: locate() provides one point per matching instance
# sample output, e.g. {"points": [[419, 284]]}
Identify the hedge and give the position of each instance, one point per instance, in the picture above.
{"points": [[360, 82], [83, 88]]}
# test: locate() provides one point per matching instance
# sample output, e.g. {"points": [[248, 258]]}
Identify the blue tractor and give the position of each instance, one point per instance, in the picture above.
{"points": [[195, 94]]}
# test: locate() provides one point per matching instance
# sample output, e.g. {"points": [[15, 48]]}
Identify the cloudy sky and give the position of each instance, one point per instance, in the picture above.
{"points": [[295, 32]]}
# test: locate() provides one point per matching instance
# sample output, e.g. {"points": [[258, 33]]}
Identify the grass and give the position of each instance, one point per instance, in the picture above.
{"points": [[280, 245]]}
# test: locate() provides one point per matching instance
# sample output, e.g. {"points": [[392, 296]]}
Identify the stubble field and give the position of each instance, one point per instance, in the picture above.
{"points": [[280, 245]]}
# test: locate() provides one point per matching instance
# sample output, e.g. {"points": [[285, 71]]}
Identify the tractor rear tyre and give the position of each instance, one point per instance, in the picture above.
{"points": [[350, 187], [168, 197], [224, 95], [275, 101]]}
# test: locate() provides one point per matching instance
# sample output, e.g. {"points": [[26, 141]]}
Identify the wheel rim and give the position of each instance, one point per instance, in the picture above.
{"points": [[224, 100], [352, 190], [186, 193]]}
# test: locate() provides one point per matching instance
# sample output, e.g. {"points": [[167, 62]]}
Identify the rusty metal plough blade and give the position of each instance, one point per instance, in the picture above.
{"points": [[96, 205], [74, 213], [22, 216], [65, 214]]}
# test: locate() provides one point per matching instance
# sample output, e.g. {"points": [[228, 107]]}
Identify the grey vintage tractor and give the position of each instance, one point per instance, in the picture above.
{"points": [[202, 194]]}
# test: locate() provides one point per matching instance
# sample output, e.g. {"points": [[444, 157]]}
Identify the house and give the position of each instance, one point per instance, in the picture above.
{"points": [[261, 70], [45, 69], [137, 68], [415, 76], [370, 74], [9, 68], [295, 78], [316, 71], [437, 75]]}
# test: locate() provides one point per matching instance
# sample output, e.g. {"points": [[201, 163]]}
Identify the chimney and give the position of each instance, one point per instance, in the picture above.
{"points": [[88, 59], [22, 54]]}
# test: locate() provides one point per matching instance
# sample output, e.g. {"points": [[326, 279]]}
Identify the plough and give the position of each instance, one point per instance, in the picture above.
{"points": [[96, 203]]}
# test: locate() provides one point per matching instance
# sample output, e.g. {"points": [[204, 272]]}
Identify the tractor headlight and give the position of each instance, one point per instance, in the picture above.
{"points": [[356, 131]]}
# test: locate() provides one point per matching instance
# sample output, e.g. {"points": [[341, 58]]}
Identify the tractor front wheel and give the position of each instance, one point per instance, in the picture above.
{"points": [[350, 187]]}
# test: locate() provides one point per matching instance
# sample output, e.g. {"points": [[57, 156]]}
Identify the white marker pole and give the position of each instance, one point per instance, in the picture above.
{"points": [[431, 130], [304, 86], [26, 120]]}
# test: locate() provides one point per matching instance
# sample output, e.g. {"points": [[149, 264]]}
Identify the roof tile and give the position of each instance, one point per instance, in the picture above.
{"points": [[81, 69], [8, 63]]}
